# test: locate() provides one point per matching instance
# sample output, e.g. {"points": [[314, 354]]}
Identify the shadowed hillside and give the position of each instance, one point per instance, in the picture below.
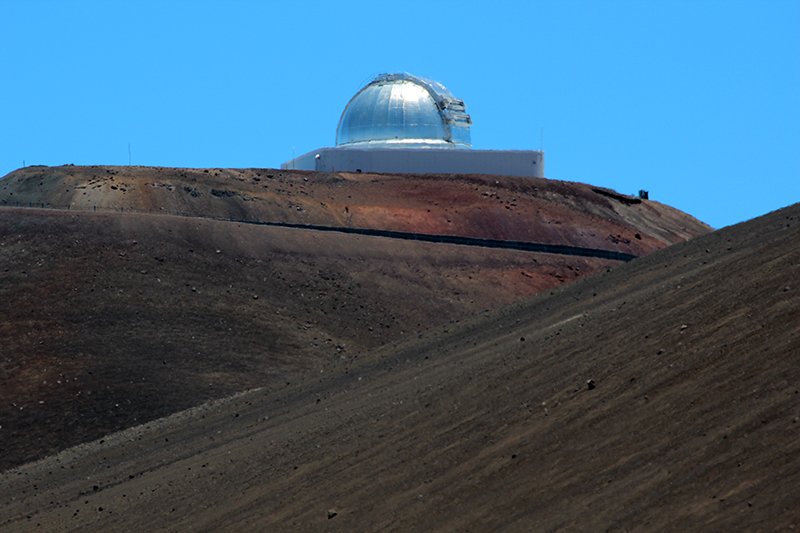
{"points": [[108, 320], [113, 312], [661, 395]]}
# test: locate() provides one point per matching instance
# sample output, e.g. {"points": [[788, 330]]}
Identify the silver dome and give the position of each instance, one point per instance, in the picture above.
{"points": [[403, 110]]}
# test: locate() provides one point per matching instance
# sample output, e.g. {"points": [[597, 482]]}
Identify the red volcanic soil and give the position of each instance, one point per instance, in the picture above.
{"points": [[491, 207], [660, 395], [109, 320], [113, 313]]}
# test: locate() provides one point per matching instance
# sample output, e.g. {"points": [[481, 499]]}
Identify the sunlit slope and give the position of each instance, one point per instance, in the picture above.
{"points": [[493, 207], [490, 424], [108, 320], [114, 311]]}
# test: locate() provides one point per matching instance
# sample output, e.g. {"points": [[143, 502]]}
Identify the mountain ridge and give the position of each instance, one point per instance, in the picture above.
{"points": [[656, 395]]}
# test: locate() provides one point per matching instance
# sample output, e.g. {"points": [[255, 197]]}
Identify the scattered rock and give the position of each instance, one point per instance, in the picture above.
{"points": [[331, 513], [590, 384], [192, 191]]}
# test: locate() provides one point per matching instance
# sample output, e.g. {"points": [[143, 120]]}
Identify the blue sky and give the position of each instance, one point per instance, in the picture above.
{"points": [[696, 102]]}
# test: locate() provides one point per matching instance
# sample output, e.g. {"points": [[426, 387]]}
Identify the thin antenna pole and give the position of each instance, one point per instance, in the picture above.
{"points": [[541, 141], [129, 154]]}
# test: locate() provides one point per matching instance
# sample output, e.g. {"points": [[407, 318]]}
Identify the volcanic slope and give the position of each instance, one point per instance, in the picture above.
{"points": [[661, 395], [489, 207], [109, 319]]}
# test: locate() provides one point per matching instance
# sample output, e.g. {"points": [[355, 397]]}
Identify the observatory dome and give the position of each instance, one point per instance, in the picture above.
{"points": [[402, 110]]}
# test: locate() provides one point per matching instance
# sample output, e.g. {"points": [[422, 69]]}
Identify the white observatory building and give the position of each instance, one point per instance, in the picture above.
{"points": [[399, 123]]}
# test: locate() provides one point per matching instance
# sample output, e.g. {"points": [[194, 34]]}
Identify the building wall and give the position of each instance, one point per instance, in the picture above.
{"points": [[525, 163]]}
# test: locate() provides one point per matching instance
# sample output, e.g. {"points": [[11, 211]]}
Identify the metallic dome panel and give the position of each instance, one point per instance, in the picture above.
{"points": [[403, 110]]}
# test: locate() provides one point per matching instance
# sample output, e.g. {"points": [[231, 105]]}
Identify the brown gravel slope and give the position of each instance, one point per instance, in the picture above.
{"points": [[488, 424], [109, 320], [493, 207], [110, 317]]}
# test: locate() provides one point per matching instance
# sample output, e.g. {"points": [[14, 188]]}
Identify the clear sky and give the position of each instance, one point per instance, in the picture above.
{"points": [[697, 102]]}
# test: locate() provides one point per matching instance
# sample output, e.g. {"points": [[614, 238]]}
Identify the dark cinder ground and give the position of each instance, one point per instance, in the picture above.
{"points": [[114, 311], [658, 395], [108, 321]]}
